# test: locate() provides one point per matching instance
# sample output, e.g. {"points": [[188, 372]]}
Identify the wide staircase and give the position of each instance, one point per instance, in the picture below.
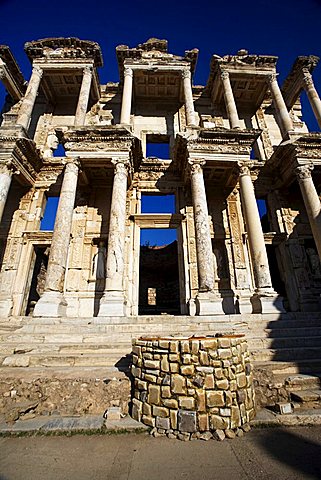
{"points": [[285, 348]]}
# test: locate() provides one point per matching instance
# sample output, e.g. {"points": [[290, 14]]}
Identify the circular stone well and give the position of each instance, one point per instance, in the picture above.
{"points": [[196, 387]]}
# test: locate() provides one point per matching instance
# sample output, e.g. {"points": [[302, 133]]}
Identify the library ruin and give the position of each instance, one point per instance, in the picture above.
{"points": [[239, 167]]}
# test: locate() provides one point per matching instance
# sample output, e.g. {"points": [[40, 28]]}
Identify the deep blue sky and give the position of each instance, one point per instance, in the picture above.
{"points": [[286, 28]]}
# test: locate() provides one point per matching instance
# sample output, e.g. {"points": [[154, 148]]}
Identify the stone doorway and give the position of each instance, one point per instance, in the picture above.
{"points": [[159, 278], [38, 277]]}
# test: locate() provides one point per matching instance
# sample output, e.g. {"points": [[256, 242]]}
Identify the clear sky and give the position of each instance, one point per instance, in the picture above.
{"points": [[286, 28]]}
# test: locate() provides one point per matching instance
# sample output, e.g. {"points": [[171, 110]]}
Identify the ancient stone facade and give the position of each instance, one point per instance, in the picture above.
{"points": [[238, 139]]}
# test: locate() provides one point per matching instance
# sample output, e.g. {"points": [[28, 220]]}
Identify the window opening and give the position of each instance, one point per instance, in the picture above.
{"points": [[157, 146], [60, 151], [154, 203], [262, 207], [49, 217]]}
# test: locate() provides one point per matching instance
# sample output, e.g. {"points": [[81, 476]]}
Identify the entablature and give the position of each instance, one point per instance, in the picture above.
{"points": [[248, 75]]}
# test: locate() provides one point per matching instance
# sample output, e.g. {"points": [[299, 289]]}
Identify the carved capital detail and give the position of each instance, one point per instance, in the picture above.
{"points": [[225, 75], [196, 166], [128, 72], [303, 172], [8, 168], [36, 70], [272, 78], [244, 169], [186, 73], [88, 71], [121, 166], [307, 79], [73, 165], [3, 75]]}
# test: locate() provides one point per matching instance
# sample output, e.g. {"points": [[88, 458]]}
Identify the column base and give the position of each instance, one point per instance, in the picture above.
{"points": [[51, 304], [112, 304], [267, 302], [207, 303]]}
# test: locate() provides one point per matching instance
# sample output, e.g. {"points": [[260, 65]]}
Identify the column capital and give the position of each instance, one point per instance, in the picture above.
{"points": [[244, 168], [186, 73], [225, 75], [3, 74], [73, 163], [128, 72], [88, 70], [36, 70], [121, 166], [307, 78], [8, 168], [272, 77], [196, 166], [304, 171]]}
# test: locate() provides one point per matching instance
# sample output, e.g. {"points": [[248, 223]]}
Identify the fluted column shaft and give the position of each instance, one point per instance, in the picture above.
{"points": [[57, 263], [206, 276], [279, 103], [188, 97], [29, 98], [313, 96], [230, 101], [83, 97], [311, 202], [5, 182], [117, 223], [127, 96], [254, 230], [112, 302]]}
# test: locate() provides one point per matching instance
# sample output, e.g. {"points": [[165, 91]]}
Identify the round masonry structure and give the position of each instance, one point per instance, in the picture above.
{"points": [[197, 387]]}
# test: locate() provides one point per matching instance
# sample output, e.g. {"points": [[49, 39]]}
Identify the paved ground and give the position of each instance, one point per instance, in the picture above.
{"points": [[271, 453]]}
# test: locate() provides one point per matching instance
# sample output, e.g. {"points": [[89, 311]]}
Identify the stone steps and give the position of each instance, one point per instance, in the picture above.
{"points": [[113, 358]]}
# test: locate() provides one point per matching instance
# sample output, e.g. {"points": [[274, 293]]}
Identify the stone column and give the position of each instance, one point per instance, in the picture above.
{"points": [[52, 303], [311, 202], [29, 98], [5, 182], [127, 96], [207, 301], [188, 97], [313, 96], [112, 302], [280, 106], [230, 101], [254, 230], [83, 97]]}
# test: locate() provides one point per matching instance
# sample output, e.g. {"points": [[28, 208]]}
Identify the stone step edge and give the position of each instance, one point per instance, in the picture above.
{"points": [[73, 425], [267, 418]]}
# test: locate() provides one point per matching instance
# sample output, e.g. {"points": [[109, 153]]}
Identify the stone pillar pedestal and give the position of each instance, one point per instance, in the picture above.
{"points": [[53, 303], [265, 299], [112, 302], [280, 106], [311, 202], [188, 97], [207, 301], [127, 96], [313, 96], [5, 182], [230, 101], [29, 98], [83, 97]]}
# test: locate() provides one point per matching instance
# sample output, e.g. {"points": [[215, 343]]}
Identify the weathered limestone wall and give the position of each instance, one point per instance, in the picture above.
{"points": [[193, 387]]}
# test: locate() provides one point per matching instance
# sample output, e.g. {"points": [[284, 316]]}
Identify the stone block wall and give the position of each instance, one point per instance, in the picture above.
{"points": [[193, 387]]}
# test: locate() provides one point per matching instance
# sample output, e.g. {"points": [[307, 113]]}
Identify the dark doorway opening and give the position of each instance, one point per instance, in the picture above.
{"points": [[159, 279], [277, 282], [38, 277]]}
